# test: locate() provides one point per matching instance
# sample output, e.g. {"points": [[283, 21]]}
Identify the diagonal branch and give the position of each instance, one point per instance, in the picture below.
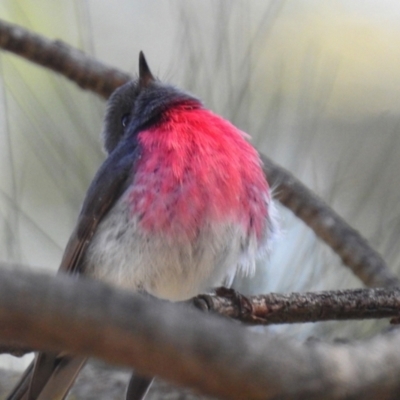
{"points": [[85, 71], [90, 74], [355, 251]]}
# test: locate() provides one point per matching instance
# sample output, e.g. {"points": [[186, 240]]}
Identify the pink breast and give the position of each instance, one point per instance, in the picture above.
{"points": [[197, 169]]}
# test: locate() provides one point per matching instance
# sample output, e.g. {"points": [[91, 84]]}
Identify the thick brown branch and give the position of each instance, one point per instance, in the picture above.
{"points": [[15, 349], [90, 74], [274, 308], [188, 347], [277, 308], [87, 72]]}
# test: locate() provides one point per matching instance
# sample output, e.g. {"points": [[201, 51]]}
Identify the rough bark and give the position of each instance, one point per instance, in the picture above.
{"points": [[212, 355]]}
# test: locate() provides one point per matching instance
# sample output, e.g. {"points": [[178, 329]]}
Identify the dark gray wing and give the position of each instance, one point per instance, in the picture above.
{"points": [[109, 183]]}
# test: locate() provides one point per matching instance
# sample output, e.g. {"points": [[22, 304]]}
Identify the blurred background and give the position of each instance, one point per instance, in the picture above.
{"points": [[316, 84]]}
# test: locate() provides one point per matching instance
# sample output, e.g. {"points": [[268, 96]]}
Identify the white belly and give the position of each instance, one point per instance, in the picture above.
{"points": [[122, 254]]}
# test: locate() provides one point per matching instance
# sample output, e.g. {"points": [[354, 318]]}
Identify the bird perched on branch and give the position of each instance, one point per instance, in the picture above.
{"points": [[180, 206]]}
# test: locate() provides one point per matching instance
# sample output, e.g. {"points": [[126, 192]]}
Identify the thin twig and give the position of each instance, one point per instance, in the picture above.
{"points": [[275, 308]]}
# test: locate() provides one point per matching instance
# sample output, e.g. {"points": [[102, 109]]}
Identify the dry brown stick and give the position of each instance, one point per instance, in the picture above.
{"points": [[353, 249], [275, 308], [87, 72], [90, 74], [187, 347]]}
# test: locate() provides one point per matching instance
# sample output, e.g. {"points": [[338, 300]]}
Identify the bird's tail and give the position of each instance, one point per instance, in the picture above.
{"points": [[138, 387], [20, 391], [49, 376]]}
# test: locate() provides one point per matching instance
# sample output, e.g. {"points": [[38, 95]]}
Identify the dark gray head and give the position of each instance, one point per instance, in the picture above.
{"points": [[139, 104]]}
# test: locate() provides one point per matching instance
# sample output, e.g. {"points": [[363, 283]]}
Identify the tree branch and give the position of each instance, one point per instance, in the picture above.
{"points": [[187, 347], [275, 308], [352, 248], [85, 71]]}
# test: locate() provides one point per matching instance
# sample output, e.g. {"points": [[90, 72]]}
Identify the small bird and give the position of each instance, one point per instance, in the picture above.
{"points": [[179, 207]]}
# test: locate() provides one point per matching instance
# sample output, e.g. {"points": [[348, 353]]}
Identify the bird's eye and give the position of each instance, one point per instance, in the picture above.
{"points": [[125, 120]]}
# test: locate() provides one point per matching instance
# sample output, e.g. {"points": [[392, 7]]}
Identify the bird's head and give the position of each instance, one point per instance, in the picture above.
{"points": [[139, 104]]}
